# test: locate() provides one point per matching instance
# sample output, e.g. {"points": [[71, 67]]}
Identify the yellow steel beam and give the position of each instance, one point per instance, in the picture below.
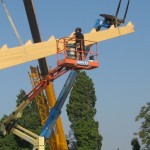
{"points": [[60, 136], [17, 55], [57, 141]]}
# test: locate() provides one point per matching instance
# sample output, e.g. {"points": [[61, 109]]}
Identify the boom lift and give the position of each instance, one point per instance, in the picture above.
{"points": [[43, 107], [56, 110], [37, 141], [74, 65], [66, 60], [55, 73], [9, 124]]}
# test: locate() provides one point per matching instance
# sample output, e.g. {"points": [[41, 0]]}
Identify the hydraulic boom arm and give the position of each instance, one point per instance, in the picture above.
{"points": [[37, 141], [56, 110]]}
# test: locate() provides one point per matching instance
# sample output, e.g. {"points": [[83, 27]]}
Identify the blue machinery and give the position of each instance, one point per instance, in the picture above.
{"points": [[65, 65], [56, 110]]}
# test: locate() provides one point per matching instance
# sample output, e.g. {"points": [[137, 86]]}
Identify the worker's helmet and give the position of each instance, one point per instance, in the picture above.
{"points": [[78, 29]]}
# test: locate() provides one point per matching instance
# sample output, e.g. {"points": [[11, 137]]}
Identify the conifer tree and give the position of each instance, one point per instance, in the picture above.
{"points": [[81, 111]]}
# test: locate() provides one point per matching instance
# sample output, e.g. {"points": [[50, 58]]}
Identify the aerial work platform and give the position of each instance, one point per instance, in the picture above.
{"points": [[69, 56]]}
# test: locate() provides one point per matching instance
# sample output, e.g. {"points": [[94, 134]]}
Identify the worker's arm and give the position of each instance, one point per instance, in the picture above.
{"points": [[71, 41], [72, 37]]}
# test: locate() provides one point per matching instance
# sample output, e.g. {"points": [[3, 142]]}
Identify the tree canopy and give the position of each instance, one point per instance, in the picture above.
{"points": [[29, 120], [135, 144], [144, 132], [81, 111]]}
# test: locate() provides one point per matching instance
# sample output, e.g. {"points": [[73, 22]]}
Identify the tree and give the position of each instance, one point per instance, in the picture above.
{"points": [[81, 111], [29, 120], [135, 144], [144, 132]]}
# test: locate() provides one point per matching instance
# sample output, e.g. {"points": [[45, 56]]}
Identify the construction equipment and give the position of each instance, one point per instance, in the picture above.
{"points": [[58, 140], [42, 106], [68, 62], [55, 141], [9, 123], [38, 142], [110, 20], [55, 73], [56, 110]]}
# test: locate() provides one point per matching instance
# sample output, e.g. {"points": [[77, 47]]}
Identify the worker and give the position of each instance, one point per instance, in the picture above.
{"points": [[79, 42]]}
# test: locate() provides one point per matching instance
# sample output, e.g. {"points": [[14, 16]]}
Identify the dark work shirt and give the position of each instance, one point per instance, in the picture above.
{"points": [[79, 38]]}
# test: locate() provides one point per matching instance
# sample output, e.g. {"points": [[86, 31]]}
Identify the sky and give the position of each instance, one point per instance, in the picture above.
{"points": [[121, 82]]}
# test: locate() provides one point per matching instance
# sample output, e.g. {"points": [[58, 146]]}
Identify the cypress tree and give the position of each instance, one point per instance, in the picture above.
{"points": [[81, 111]]}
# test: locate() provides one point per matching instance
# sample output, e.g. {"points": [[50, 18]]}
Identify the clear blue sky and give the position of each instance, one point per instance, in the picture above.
{"points": [[121, 82]]}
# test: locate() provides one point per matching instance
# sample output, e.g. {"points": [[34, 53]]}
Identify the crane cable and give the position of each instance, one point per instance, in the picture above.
{"points": [[12, 24], [15, 30]]}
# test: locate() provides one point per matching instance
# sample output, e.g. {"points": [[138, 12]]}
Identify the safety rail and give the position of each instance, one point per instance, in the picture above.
{"points": [[72, 56]]}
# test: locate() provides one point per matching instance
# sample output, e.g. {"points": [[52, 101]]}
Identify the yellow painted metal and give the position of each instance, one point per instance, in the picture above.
{"points": [[41, 101], [35, 140], [61, 139], [57, 140], [28, 52], [42, 105]]}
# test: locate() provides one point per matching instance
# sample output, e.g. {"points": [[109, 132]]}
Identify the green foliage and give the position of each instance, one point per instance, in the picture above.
{"points": [[144, 132], [81, 111], [135, 144], [29, 120], [7, 141]]}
